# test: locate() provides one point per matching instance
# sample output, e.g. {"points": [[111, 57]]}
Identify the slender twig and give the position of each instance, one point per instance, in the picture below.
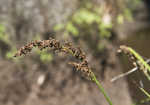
{"points": [[127, 73], [124, 74], [142, 89], [145, 92]]}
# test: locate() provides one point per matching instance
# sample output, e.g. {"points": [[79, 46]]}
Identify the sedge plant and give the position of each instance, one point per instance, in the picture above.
{"points": [[66, 48], [140, 64], [82, 65], [137, 60]]}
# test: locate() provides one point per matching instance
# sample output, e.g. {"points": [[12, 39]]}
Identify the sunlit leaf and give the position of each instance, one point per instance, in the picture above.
{"points": [[72, 29], [120, 19], [58, 27]]}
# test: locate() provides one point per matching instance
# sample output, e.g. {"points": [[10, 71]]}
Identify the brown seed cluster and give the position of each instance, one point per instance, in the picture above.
{"points": [[83, 67], [76, 52], [57, 46], [41, 44]]}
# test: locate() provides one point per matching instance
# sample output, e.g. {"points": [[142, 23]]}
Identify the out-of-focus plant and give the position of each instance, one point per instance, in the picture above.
{"points": [[86, 18], [126, 13], [10, 53], [5, 39], [87, 21], [134, 3], [45, 56], [90, 19], [3, 36]]}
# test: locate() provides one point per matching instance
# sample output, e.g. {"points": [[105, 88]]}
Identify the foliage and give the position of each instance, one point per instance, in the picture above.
{"points": [[87, 18], [3, 36], [93, 20], [91, 17], [45, 56], [9, 54], [125, 15]]}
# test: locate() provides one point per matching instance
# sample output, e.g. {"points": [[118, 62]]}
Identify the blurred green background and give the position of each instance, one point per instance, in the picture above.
{"points": [[99, 27]]}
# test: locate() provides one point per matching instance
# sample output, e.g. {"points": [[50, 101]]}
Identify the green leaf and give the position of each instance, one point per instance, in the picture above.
{"points": [[46, 57], [120, 19], [58, 27], [128, 15], [72, 29], [2, 28], [10, 54]]}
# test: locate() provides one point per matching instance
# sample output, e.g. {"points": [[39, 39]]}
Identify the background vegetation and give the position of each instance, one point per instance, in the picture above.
{"points": [[98, 27]]}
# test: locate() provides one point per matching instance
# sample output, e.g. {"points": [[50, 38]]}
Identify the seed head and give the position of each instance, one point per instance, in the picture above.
{"points": [[60, 47], [83, 68], [41, 44]]}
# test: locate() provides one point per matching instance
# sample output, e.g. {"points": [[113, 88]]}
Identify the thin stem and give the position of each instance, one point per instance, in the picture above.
{"points": [[124, 74], [127, 73], [147, 67], [145, 92], [101, 89]]}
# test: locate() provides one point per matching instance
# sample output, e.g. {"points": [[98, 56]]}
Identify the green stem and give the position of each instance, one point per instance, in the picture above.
{"points": [[95, 80], [145, 92], [142, 61], [101, 89], [139, 58]]}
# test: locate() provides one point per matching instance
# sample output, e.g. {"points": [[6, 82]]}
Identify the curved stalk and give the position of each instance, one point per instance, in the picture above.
{"points": [[101, 89]]}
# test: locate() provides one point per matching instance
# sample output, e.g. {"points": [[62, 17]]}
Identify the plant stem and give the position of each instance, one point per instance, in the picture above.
{"points": [[146, 65], [101, 89], [145, 92]]}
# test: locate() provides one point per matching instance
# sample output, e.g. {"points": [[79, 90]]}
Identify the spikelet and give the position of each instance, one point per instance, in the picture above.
{"points": [[67, 47], [41, 44], [76, 52], [83, 68], [125, 50]]}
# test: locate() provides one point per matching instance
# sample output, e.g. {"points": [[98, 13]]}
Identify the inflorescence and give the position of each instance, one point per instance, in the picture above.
{"points": [[137, 60], [67, 48], [131, 56]]}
